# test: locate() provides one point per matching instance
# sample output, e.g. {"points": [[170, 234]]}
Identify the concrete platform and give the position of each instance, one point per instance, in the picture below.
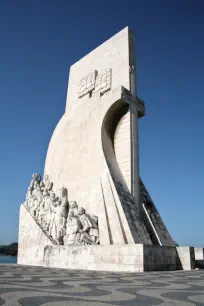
{"points": [[36, 286]]}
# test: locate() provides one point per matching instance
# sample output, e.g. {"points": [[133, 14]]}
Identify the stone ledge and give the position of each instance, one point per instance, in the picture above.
{"points": [[120, 258]]}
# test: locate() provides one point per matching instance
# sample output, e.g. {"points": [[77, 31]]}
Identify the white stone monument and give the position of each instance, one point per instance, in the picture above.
{"points": [[92, 210]]}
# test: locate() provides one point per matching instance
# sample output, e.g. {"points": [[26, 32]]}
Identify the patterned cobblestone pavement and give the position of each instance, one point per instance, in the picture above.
{"points": [[35, 286]]}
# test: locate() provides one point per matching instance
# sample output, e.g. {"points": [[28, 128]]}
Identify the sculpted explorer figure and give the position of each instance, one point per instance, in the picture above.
{"points": [[60, 218], [48, 184], [35, 180], [38, 197], [51, 213], [73, 227], [89, 232], [64, 204], [73, 208], [59, 226], [45, 210], [29, 199]]}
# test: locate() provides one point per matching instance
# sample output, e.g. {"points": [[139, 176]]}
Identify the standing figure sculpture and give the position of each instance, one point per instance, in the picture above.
{"points": [[48, 184], [61, 213], [38, 199], [65, 204], [45, 210], [52, 199], [35, 180], [29, 199]]}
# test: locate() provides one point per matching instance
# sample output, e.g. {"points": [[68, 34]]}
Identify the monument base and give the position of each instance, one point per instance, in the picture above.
{"points": [[36, 249], [117, 258]]}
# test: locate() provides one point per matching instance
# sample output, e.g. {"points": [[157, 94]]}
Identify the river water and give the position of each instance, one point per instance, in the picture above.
{"points": [[8, 259]]}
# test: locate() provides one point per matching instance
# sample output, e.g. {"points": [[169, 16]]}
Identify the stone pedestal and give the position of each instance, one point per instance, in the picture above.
{"points": [[119, 258], [35, 248]]}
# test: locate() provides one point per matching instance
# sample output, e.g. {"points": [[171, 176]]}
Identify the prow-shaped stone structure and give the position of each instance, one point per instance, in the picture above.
{"points": [[92, 202]]}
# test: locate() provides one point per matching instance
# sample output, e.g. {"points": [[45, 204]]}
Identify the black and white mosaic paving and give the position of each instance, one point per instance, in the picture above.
{"points": [[35, 286]]}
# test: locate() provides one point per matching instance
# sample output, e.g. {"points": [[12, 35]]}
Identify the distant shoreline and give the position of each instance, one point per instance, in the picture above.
{"points": [[9, 250]]}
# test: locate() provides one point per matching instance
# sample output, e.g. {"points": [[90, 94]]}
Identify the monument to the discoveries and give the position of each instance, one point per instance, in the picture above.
{"points": [[92, 210]]}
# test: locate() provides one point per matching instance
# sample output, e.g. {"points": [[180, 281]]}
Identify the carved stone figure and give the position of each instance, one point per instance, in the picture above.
{"points": [[39, 212], [73, 208], [35, 180], [42, 186], [89, 232], [64, 204], [45, 210], [38, 197], [66, 224], [48, 184], [38, 193], [59, 222], [73, 227], [29, 199], [60, 216], [51, 213]]}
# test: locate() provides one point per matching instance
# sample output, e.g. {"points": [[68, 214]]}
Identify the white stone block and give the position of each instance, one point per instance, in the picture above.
{"points": [[199, 253], [185, 258]]}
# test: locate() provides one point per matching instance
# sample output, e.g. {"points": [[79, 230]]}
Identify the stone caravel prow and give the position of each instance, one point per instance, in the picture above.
{"points": [[93, 155]]}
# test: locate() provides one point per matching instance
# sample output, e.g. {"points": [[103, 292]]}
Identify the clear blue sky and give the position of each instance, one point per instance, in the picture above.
{"points": [[39, 40]]}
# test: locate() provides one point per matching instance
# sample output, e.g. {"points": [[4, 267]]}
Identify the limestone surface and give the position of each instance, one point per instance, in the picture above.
{"points": [[86, 201]]}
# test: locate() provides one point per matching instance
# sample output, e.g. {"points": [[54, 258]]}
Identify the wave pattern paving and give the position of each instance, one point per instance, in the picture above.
{"points": [[35, 286]]}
